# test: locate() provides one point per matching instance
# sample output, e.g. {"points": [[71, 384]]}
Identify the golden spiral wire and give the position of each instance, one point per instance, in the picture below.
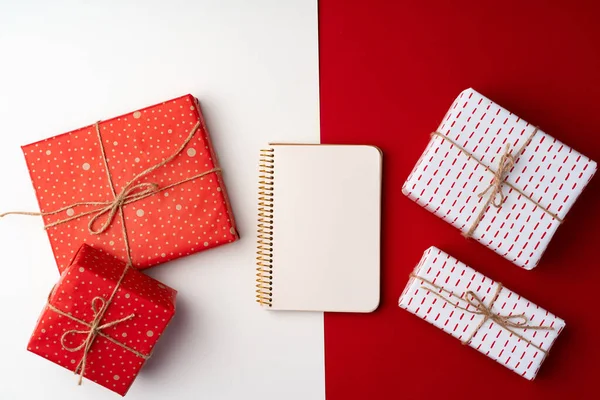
{"points": [[264, 248]]}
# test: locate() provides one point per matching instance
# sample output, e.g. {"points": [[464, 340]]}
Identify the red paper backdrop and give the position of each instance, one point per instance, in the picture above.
{"points": [[389, 71]]}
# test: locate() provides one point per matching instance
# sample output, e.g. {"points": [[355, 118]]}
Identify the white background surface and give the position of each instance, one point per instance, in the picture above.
{"points": [[254, 67]]}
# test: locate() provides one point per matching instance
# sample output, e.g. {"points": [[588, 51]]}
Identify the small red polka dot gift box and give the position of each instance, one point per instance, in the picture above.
{"points": [[481, 313], [145, 186], [498, 179], [103, 319]]}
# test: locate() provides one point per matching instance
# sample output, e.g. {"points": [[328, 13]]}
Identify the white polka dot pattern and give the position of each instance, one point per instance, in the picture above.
{"points": [[68, 168], [447, 182], [491, 339], [95, 273]]}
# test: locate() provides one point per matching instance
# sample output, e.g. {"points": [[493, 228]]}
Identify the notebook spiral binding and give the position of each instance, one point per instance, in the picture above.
{"points": [[264, 249]]}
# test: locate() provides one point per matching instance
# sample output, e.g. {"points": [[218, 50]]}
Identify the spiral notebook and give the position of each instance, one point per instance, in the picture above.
{"points": [[319, 228]]}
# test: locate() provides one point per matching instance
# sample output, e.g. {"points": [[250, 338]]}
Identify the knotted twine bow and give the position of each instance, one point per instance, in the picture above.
{"points": [[130, 193], [94, 330], [497, 197], [96, 327], [506, 163], [508, 322]]}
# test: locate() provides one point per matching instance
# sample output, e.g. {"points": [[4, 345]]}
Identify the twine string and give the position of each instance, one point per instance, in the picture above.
{"points": [[91, 333], [506, 163], [95, 326], [476, 306], [496, 196], [130, 194]]}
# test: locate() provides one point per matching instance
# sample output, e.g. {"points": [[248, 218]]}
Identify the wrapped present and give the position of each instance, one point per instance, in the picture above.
{"points": [[498, 179], [481, 312], [145, 186], [103, 319]]}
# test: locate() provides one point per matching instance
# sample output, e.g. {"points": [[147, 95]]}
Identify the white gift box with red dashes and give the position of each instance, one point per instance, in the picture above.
{"points": [[447, 180], [520, 349]]}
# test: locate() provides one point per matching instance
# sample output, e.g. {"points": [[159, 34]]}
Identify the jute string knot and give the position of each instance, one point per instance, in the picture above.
{"points": [[497, 197], [91, 333], [476, 306], [95, 328], [129, 194], [512, 321]]}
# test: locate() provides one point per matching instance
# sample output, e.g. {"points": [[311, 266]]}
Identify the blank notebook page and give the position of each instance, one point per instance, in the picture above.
{"points": [[326, 227]]}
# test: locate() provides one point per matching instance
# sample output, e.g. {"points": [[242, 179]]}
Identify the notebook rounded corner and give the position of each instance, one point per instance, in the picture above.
{"points": [[373, 306]]}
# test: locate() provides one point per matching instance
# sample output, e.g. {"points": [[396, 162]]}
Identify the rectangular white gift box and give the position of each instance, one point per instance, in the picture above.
{"points": [[455, 177], [473, 308]]}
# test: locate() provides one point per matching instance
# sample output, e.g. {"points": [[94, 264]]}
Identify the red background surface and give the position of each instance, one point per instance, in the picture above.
{"points": [[389, 71]]}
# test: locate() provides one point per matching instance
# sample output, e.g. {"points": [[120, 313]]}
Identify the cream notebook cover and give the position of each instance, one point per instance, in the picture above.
{"points": [[319, 228]]}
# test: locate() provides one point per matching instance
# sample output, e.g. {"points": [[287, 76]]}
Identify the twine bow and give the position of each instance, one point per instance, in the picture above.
{"points": [[506, 163], [127, 195], [508, 322], [94, 330], [496, 197]]}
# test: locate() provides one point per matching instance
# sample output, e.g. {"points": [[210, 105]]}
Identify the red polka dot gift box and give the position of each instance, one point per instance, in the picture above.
{"points": [[498, 179], [103, 319], [145, 186], [481, 313]]}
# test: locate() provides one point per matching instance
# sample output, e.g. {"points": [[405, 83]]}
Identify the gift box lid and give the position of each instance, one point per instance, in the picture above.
{"points": [[103, 319], [498, 179], [156, 164]]}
